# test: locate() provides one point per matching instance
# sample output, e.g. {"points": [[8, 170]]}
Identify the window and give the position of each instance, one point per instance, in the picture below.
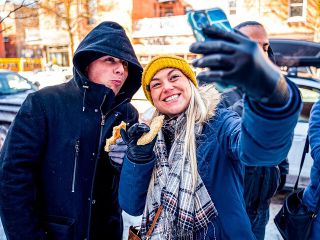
{"points": [[166, 11], [232, 7], [297, 9], [92, 12], [11, 83], [60, 10]]}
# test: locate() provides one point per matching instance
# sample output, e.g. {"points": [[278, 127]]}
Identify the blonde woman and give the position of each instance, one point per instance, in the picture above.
{"points": [[194, 168]]}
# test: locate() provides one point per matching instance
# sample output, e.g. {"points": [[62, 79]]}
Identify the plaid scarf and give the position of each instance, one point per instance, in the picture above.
{"points": [[185, 210]]}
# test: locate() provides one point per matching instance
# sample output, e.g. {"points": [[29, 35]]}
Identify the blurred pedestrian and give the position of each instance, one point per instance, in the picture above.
{"points": [[260, 183], [194, 169], [56, 180], [311, 196]]}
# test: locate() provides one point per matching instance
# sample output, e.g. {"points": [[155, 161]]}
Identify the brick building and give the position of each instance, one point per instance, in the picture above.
{"points": [[161, 26], [2, 49]]}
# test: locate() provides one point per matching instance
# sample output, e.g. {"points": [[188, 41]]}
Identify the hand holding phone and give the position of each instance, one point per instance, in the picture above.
{"points": [[201, 19], [232, 58]]}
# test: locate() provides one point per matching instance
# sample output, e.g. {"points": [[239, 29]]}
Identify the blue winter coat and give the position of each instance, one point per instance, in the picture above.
{"points": [[262, 137], [56, 182], [311, 194]]}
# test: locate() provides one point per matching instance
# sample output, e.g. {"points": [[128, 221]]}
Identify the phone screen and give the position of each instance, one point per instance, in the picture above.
{"points": [[209, 17]]}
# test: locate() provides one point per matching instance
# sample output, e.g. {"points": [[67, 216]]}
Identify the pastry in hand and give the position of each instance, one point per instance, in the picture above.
{"points": [[115, 135], [155, 126]]}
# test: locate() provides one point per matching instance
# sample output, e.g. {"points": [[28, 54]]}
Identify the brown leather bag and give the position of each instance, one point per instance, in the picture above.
{"points": [[134, 231]]}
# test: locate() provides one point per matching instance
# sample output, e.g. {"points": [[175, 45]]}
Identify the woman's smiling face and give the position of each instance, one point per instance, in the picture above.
{"points": [[170, 91]]}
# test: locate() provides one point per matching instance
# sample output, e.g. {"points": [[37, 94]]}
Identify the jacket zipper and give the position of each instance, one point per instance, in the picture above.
{"points": [[75, 164], [103, 120]]}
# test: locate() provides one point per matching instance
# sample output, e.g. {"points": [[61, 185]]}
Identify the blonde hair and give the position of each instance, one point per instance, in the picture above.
{"points": [[201, 108]]}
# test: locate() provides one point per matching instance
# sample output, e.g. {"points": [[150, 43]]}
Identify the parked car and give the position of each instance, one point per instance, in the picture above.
{"points": [[51, 77], [13, 90], [310, 93], [301, 62]]}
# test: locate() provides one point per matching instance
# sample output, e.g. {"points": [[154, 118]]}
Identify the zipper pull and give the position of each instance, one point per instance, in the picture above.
{"points": [[103, 120], [77, 146]]}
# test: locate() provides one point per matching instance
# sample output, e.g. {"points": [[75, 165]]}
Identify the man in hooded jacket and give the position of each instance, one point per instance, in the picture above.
{"points": [[56, 180]]}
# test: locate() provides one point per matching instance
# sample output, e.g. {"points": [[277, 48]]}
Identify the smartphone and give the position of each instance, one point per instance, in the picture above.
{"points": [[208, 17]]}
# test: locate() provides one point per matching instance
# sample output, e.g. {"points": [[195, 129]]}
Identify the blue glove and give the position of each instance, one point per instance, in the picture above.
{"points": [[138, 153], [118, 151], [234, 59]]}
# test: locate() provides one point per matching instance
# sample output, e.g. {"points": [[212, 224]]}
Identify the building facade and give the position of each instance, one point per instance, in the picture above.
{"points": [[155, 26], [158, 30]]}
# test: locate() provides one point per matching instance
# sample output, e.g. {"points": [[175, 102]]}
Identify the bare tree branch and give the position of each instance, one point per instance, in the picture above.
{"points": [[4, 29], [22, 5]]}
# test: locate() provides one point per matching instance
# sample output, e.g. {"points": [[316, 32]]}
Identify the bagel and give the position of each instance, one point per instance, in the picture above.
{"points": [[155, 126]]}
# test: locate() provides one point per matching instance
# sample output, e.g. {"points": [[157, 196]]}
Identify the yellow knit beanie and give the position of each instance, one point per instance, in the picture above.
{"points": [[161, 62]]}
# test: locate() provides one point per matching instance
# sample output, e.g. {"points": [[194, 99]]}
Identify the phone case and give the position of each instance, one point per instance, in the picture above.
{"points": [[209, 17]]}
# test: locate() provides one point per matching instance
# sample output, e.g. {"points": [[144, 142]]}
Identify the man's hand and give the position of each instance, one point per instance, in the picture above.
{"points": [[138, 153], [118, 151], [234, 59]]}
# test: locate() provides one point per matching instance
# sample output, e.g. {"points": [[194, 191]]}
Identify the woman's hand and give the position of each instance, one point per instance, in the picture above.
{"points": [[138, 153]]}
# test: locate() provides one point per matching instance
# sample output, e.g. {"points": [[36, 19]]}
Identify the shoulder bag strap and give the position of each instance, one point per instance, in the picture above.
{"points": [[154, 222], [305, 150]]}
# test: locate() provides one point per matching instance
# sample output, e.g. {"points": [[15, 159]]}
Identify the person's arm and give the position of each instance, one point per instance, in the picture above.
{"points": [[20, 160], [271, 106], [314, 138], [267, 132], [133, 188], [311, 193], [261, 137], [136, 170]]}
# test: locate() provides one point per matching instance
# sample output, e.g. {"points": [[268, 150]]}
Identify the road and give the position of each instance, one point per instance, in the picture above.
{"points": [[271, 230]]}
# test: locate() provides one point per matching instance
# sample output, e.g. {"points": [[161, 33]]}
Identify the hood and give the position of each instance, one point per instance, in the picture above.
{"points": [[108, 38]]}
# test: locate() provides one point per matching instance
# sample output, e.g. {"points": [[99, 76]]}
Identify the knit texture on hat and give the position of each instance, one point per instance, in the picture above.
{"points": [[165, 61]]}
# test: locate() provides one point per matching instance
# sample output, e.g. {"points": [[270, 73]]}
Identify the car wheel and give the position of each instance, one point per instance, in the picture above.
{"points": [[3, 133]]}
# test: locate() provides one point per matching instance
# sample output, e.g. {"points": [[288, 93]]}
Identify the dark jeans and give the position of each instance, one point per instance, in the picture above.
{"points": [[259, 220]]}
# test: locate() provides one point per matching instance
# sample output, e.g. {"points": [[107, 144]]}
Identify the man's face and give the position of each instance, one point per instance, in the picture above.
{"points": [[109, 71], [258, 34]]}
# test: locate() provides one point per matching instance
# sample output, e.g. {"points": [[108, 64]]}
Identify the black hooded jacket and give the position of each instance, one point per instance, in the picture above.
{"points": [[56, 182]]}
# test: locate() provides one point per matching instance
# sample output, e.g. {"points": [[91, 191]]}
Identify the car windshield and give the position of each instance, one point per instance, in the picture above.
{"points": [[309, 96], [11, 83]]}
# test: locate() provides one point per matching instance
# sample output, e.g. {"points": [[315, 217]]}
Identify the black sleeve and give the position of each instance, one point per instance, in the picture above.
{"points": [[20, 158]]}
